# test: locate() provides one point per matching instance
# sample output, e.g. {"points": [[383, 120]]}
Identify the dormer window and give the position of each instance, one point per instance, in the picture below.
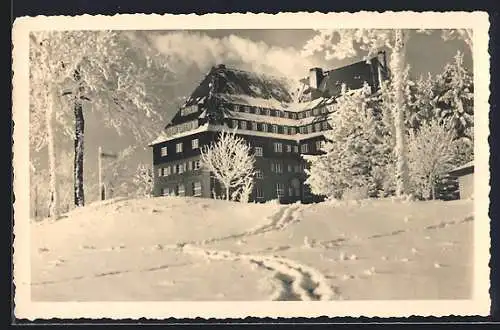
{"points": [[325, 125], [246, 109], [286, 114], [268, 112], [301, 115], [235, 123], [257, 110], [308, 113], [317, 127], [294, 116], [236, 107], [316, 112]]}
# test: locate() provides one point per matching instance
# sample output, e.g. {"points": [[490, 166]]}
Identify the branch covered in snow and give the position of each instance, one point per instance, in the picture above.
{"points": [[231, 162]]}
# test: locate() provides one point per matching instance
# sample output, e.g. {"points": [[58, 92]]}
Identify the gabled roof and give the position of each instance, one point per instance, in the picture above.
{"points": [[464, 169], [231, 81]]}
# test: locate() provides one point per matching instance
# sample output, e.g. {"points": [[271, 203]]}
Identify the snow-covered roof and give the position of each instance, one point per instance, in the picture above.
{"points": [[241, 99], [272, 120], [462, 167], [217, 128]]}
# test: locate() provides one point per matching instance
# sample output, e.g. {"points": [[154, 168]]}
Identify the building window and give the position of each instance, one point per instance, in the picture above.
{"points": [[258, 174], [257, 111], [275, 129], [234, 123], [290, 191], [288, 148], [304, 148], [300, 115], [189, 166], [195, 143], [296, 149], [294, 116], [278, 147], [309, 128], [289, 167], [286, 114], [165, 191], [264, 127], [280, 190], [258, 192], [324, 110], [317, 127], [258, 151], [268, 112], [178, 147], [255, 127], [197, 189], [293, 130], [285, 129], [160, 171], [243, 124], [302, 130], [164, 151], [325, 125], [308, 113], [277, 167], [319, 145], [181, 191], [236, 108], [180, 168], [316, 111], [166, 171], [246, 109], [196, 165], [296, 168]]}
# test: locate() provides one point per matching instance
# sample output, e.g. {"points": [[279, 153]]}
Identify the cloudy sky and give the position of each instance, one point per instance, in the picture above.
{"points": [[192, 53]]}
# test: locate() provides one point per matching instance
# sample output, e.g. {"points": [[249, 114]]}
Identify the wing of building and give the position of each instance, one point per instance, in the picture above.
{"points": [[280, 118]]}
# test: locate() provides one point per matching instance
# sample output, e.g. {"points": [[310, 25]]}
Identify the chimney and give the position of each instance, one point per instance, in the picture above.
{"points": [[315, 77]]}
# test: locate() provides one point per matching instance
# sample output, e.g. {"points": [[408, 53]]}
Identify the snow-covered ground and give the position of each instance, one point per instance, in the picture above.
{"points": [[173, 248]]}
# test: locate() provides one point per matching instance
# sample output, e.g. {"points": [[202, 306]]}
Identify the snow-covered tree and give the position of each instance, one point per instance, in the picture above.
{"points": [[99, 70], [230, 161], [143, 180], [431, 155], [357, 149], [454, 101], [345, 43]]}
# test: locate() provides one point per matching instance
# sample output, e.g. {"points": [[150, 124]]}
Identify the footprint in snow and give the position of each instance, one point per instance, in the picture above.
{"points": [[43, 249]]}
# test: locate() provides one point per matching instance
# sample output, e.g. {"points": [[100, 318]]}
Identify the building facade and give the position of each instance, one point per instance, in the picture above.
{"points": [[279, 118]]}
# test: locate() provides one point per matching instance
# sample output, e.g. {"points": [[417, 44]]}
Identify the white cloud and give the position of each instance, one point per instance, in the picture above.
{"points": [[186, 49]]}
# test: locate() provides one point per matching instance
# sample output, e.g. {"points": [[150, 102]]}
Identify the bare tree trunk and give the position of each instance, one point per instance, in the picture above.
{"points": [[397, 68], [79, 150], [227, 192], [49, 118]]}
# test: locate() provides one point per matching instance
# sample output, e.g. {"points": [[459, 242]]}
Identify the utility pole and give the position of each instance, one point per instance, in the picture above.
{"points": [[99, 171], [102, 187]]}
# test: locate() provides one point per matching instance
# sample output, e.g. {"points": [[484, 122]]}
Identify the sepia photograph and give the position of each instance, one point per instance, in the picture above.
{"points": [[169, 163]]}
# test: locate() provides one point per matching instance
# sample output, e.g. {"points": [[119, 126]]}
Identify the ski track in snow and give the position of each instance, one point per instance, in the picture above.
{"points": [[296, 281], [280, 220]]}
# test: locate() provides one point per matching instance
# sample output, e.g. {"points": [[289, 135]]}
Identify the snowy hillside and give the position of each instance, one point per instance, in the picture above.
{"points": [[173, 248]]}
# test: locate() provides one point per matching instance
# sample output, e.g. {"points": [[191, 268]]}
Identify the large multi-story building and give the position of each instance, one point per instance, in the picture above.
{"points": [[279, 118]]}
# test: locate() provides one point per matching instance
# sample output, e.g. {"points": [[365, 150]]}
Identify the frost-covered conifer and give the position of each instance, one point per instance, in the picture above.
{"points": [[356, 153]]}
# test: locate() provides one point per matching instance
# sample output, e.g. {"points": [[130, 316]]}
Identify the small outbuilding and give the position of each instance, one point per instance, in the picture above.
{"points": [[465, 176]]}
